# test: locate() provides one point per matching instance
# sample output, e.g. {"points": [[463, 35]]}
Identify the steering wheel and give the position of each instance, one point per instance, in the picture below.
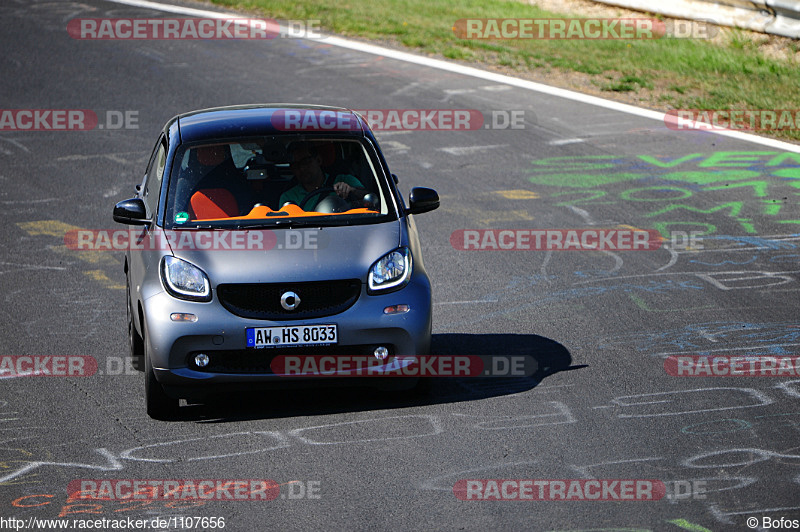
{"points": [[323, 190]]}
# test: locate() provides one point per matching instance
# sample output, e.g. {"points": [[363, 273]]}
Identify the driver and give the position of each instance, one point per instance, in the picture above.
{"points": [[306, 166]]}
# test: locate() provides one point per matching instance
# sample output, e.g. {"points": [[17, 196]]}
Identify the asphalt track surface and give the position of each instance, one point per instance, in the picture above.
{"points": [[600, 324]]}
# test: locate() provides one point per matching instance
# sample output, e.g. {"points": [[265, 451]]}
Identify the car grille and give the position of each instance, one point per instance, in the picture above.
{"points": [[263, 301], [258, 361]]}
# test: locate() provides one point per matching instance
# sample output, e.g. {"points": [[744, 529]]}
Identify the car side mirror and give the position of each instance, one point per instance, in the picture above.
{"points": [[422, 200], [131, 212], [396, 180]]}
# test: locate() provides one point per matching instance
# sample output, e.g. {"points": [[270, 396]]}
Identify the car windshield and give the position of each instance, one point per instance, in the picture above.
{"points": [[274, 181]]}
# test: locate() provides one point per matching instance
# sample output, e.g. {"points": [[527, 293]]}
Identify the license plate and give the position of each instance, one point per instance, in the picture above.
{"points": [[291, 336]]}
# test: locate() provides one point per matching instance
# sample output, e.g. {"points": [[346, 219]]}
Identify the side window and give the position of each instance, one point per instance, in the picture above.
{"points": [[155, 173]]}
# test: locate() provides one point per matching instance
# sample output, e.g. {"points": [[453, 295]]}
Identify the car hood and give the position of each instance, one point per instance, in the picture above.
{"points": [[279, 255]]}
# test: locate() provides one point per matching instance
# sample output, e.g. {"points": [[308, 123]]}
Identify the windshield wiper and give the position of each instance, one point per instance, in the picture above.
{"points": [[283, 223], [196, 227], [288, 223]]}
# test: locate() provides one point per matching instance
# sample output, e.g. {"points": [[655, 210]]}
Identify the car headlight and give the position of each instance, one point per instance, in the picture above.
{"points": [[392, 271], [184, 280]]}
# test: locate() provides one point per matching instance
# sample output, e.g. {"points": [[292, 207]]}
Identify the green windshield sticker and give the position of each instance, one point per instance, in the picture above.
{"points": [[182, 217]]}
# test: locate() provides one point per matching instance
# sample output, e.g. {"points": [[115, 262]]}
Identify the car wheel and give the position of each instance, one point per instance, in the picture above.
{"points": [[135, 342], [159, 405]]}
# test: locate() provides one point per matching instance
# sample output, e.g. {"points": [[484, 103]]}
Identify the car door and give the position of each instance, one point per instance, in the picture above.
{"points": [[144, 253]]}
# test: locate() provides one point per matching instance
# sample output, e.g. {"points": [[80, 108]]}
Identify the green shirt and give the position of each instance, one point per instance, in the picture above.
{"points": [[297, 192]]}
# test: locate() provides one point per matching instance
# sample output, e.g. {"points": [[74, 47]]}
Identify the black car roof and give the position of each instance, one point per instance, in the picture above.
{"points": [[268, 119]]}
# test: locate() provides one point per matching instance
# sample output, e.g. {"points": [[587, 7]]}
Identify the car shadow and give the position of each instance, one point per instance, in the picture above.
{"points": [[548, 357]]}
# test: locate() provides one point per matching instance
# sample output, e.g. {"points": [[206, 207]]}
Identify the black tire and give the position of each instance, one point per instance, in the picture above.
{"points": [[159, 405]]}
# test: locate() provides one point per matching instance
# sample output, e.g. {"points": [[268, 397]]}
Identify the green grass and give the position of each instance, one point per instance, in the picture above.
{"points": [[688, 73]]}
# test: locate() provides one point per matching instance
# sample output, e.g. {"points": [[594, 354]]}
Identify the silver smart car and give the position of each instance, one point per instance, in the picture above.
{"points": [[265, 237]]}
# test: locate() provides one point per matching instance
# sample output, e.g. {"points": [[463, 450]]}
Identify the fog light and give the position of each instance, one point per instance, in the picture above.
{"points": [[201, 360], [381, 353]]}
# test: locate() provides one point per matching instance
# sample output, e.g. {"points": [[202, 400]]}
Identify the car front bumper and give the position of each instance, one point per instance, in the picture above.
{"points": [[221, 335]]}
